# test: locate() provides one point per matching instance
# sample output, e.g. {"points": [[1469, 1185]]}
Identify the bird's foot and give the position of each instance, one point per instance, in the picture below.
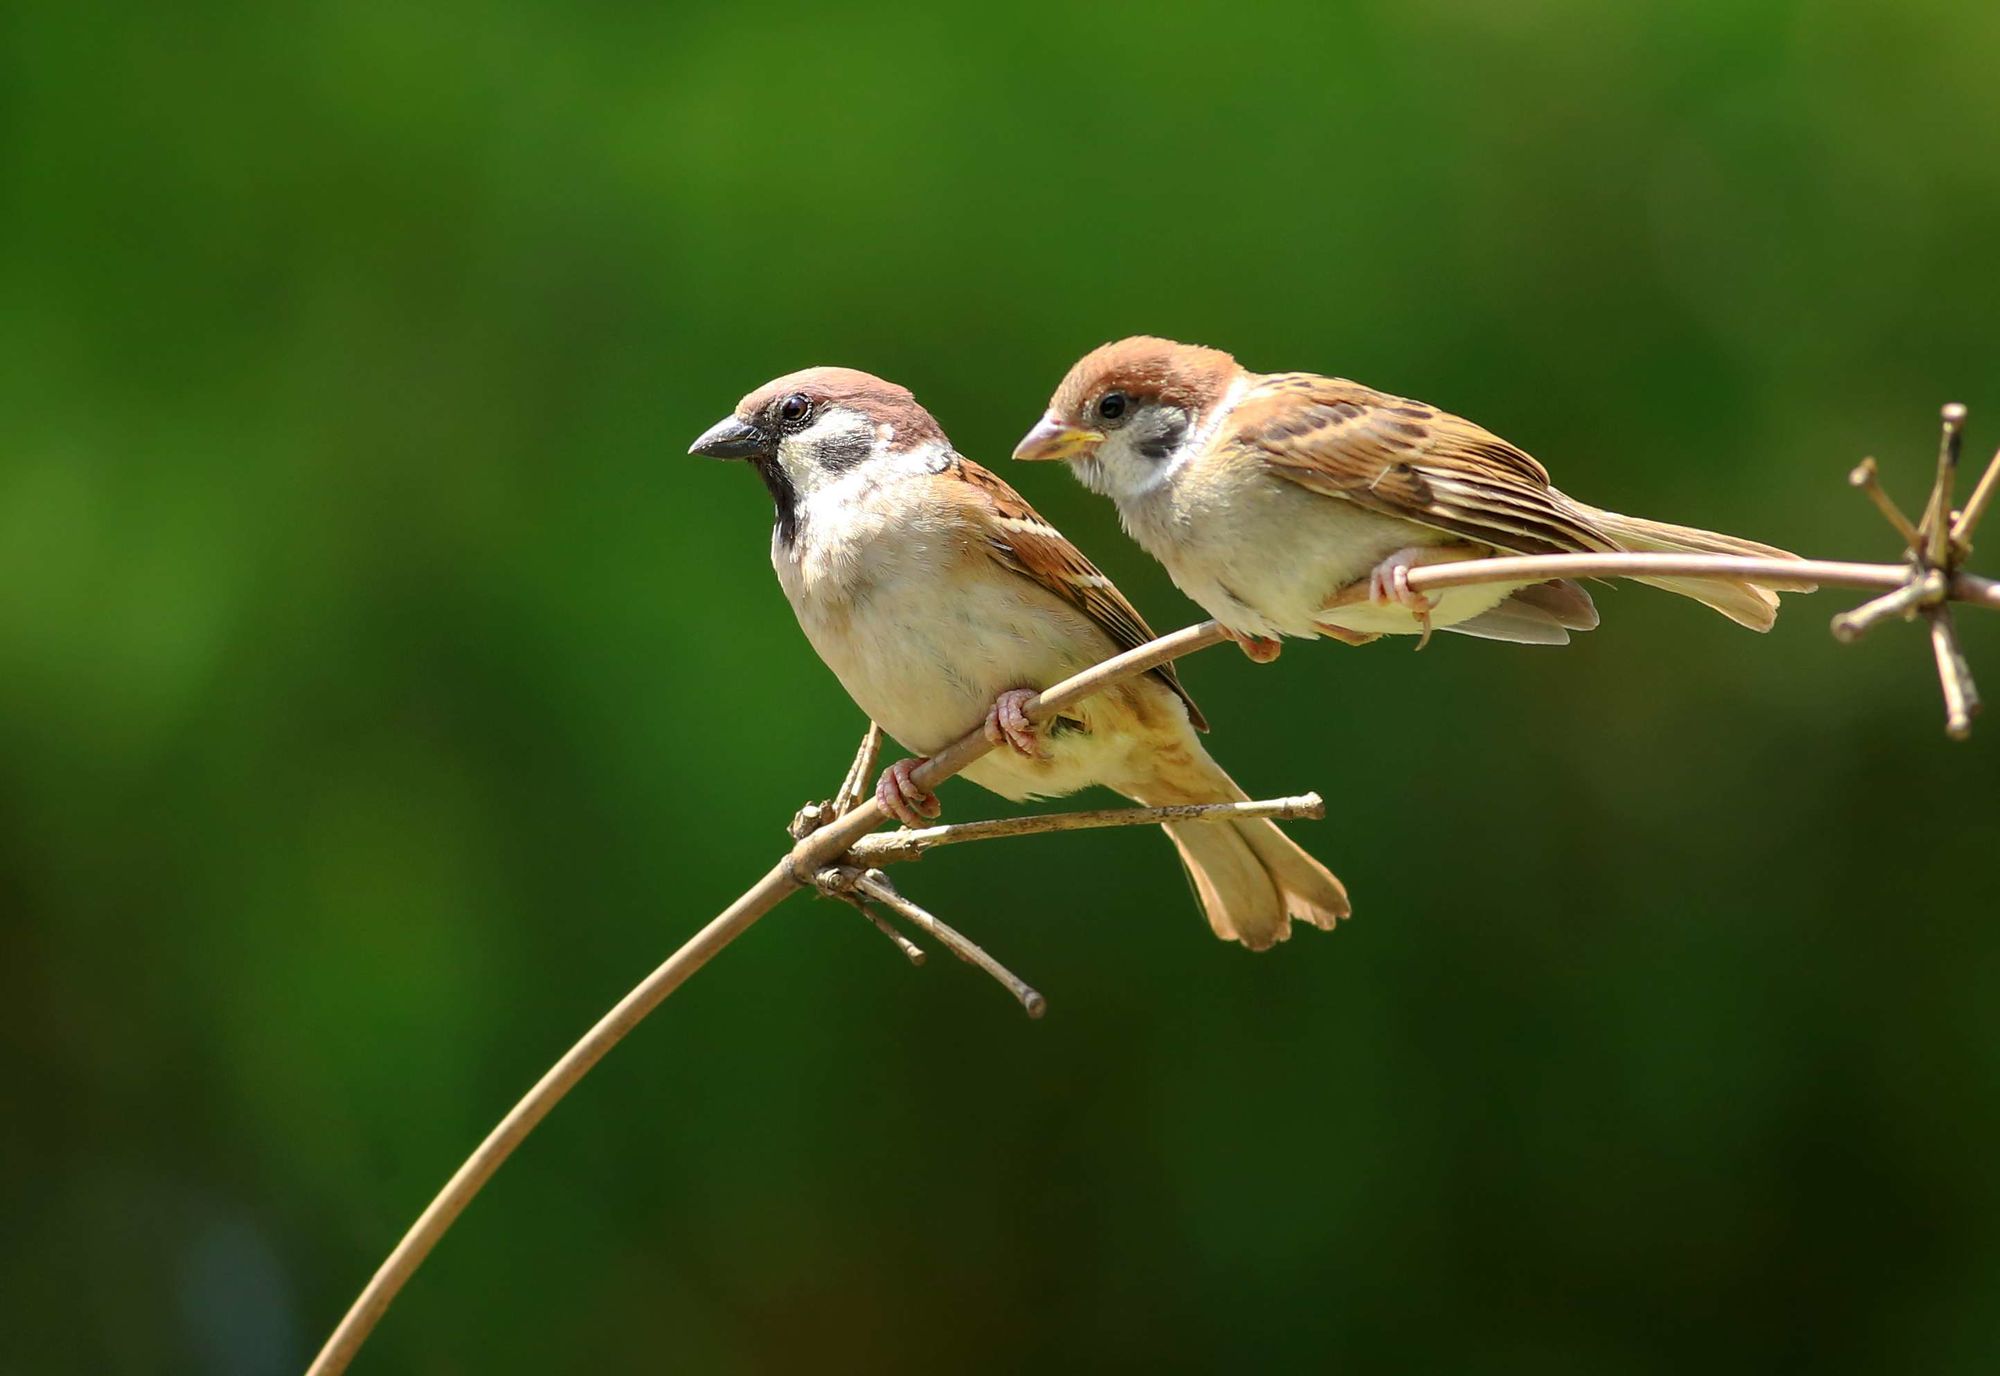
{"points": [[1007, 724], [902, 799], [1389, 581], [1259, 649], [1389, 585]]}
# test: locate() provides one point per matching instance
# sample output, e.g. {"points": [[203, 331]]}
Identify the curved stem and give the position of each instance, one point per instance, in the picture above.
{"points": [[805, 859]]}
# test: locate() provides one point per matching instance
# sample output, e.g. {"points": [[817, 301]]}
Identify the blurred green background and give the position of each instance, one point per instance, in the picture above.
{"points": [[382, 693]]}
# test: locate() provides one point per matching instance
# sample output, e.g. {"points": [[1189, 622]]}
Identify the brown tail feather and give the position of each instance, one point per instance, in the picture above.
{"points": [[1752, 603], [1251, 878]]}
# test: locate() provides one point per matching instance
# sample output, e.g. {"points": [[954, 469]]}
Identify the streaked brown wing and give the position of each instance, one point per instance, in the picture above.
{"points": [[1024, 542], [1406, 459]]}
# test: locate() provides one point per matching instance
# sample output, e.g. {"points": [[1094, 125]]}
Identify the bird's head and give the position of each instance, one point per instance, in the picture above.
{"points": [[808, 429], [1124, 414]]}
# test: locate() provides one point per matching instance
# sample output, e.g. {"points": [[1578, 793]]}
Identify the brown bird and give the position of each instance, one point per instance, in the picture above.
{"points": [[1290, 504], [940, 600]]}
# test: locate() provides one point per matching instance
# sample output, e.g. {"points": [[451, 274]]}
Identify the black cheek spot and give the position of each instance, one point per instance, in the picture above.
{"points": [[842, 452], [1161, 445]]}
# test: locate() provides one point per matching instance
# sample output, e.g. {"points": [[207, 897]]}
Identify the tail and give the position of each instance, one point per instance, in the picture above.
{"points": [[1251, 878], [1746, 602]]}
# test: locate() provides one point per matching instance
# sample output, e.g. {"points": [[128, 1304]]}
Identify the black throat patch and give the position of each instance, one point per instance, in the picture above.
{"points": [[783, 496]]}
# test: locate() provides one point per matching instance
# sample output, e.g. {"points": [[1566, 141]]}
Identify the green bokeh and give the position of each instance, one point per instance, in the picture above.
{"points": [[382, 693]]}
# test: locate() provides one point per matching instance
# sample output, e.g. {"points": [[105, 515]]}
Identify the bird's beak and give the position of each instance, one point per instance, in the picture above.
{"points": [[1055, 439], [732, 439]]}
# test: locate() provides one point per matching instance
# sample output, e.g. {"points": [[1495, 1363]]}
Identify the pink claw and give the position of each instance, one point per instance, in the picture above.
{"points": [[900, 797], [1390, 582], [1007, 724]]}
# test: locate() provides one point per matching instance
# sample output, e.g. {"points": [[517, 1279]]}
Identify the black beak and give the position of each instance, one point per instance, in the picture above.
{"points": [[733, 439]]}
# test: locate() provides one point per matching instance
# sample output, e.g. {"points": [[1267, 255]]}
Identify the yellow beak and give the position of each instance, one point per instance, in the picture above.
{"points": [[1055, 439]]}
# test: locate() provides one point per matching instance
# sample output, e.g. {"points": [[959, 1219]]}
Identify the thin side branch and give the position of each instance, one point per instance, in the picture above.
{"points": [[885, 847], [830, 883], [1961, 697], [1927, 591], [875, 886], [855, 786], [1868, 478], [1936, 525], [1968, 520]]}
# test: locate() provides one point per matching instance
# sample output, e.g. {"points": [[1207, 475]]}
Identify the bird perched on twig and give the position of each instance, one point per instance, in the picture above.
{"points": [[1290, 504], [940, 600]]}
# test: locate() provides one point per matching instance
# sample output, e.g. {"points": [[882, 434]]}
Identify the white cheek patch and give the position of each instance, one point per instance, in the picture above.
{"points": [[1123, 473], [835, 443]]}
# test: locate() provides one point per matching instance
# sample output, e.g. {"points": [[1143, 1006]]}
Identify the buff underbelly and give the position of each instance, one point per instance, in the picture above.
{"points": [[1282, 588], [928, 678]]}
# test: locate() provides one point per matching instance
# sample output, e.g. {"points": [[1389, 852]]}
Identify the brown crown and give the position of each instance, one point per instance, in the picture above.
{"points": [[880, 400], [1147, 369]]}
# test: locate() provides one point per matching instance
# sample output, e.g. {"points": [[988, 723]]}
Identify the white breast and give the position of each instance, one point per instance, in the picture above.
{"points": [[1262, 554], [922, 627]]}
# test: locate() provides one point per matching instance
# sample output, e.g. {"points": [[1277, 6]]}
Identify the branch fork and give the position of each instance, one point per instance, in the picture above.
{"points": [[1936, 547], [854, 878]]}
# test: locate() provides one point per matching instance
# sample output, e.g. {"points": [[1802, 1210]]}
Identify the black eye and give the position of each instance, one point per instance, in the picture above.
{"points": [[1111, 406], [795, 408]]}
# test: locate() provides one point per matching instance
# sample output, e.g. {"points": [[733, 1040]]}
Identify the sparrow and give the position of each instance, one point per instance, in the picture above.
{"points": [[1290, 504], [942, 602]]}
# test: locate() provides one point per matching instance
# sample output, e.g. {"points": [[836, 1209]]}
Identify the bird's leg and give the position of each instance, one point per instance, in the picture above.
{"points": [[1389, 581], [1259, 649], [900, 797], [1007, 724]]}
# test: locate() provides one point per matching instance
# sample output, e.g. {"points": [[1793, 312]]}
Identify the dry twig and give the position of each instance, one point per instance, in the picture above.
{"points": [[887, 846], [874, 886], [1937, 546]]}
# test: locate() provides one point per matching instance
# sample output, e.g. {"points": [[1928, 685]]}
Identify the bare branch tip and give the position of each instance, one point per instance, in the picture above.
{"points": [[876, 886], [1967, 521]]}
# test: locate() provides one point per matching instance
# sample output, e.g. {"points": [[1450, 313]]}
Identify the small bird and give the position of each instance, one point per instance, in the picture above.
{"points": [[941, 601], [1290, 504]]}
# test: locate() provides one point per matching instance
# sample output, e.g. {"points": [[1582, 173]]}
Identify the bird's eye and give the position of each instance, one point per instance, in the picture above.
{"points": [[1111, 406], [795, 408]]}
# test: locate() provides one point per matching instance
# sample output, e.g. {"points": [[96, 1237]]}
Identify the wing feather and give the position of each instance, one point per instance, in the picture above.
{"points": [[1028, 545], [1409, 460]]}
